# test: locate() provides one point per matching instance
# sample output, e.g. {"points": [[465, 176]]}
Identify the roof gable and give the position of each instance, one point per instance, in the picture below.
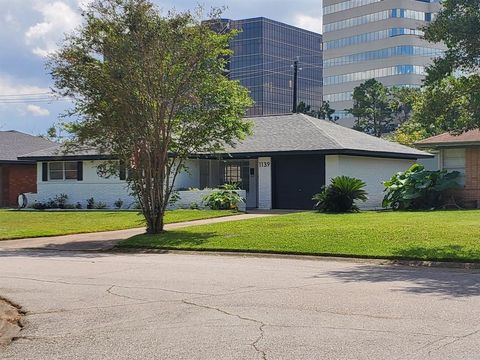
{"points": [[14, 144], [303, 133]]}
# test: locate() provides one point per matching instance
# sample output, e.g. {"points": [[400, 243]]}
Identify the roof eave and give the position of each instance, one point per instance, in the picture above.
{"points": [[448, 144], [67, 157], [352, 152], [17, 162]]}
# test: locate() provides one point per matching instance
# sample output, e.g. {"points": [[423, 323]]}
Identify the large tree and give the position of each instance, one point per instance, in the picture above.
{"points": [[457, 25], [450, 100], [404, 97], [150, 90], [373, 108], [325, 112], [450, 104]]}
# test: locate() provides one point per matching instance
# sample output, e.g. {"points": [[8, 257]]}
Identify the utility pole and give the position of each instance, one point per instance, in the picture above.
{"points": [[295, 78]]}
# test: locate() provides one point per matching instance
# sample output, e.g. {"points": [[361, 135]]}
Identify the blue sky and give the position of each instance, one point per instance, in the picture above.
{"points": [[32, 29]]}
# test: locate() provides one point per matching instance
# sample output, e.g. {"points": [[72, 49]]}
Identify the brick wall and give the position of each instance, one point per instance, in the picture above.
{"points": [[470, 194], [17, 179]]}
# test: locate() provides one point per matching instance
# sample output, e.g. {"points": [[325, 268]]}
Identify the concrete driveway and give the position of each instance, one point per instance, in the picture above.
{"points": [[84, 305]]}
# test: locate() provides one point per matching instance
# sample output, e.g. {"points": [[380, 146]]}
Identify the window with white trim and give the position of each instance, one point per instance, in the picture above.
{"points": [[62, 170], [454, 160]]}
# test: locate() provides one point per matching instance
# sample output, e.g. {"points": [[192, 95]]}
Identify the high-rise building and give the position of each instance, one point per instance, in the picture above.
{"points": [[263, 56], [379, 39]]}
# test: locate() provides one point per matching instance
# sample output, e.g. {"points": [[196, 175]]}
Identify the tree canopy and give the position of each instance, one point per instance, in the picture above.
{"points": [[451, 104], [450, 101], [457, 25], [149, 89], [373, 108], [325, 112]]}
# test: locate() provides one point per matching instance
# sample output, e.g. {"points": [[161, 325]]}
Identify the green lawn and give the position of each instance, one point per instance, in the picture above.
{"points": [[439, 235], [23, 224]]}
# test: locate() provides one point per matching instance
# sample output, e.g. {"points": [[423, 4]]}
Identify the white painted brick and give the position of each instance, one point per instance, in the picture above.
{"points": [[264, 183], [373, 171]]}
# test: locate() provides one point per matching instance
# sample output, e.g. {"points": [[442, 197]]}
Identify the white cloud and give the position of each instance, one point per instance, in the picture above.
{"points": [[58, 18], [312, 23], [14, 96], [36, 110], [9, 87]]}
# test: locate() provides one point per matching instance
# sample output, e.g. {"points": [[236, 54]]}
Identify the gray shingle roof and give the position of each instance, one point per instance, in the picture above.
{"points": [[14, 144], [293, 133], [58, 152], [302, 133]]}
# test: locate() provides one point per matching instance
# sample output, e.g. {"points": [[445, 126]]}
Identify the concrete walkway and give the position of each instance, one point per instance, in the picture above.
{"points": [[107, 239]]}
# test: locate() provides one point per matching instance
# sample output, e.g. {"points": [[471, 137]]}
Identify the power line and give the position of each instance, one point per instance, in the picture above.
{"points": [[31, 94]]}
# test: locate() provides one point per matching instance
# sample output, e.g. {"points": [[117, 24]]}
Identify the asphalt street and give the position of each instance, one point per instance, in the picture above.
{"points": [[86, 305]]}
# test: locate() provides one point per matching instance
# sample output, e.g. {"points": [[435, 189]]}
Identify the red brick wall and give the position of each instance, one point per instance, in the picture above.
{"points": [[17, 179], [471, 193]]}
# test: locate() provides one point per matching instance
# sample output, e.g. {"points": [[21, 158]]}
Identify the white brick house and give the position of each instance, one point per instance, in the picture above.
{"points": [[286, 160]]}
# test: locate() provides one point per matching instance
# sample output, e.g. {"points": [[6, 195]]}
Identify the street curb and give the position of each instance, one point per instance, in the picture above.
{"points": [[292, 256]]}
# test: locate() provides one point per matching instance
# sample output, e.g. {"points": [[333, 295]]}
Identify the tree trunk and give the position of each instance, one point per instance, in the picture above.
{"points": [[155, 223]]}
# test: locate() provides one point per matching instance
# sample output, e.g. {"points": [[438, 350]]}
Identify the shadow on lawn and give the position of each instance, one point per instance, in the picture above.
{"points": [[421, 280], [170, 240]]}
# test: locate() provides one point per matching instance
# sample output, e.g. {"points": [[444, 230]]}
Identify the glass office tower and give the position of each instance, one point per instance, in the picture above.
{"points": [[380, 39], [263, 54]]}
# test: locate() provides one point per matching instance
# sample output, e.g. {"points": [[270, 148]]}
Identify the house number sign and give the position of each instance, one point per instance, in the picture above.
{"points": [[264, 163]]}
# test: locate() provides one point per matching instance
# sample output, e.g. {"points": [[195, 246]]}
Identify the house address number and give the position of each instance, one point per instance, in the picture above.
{"points": [[264, 164]]}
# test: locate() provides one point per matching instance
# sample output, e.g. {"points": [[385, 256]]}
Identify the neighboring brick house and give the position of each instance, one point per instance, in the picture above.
{"points": [[460, 153], [18, 176]]}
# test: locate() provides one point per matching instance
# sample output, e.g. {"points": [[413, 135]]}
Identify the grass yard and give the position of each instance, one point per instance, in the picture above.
{"points": [[435, 235], [24, 224]]}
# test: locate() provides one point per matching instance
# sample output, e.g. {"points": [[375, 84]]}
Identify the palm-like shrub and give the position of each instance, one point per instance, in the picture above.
{"points": [[340, 195]]}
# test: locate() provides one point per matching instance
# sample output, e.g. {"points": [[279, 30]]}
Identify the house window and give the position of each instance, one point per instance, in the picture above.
{"points": [[62, 170], [237, 172], [454, 160]]}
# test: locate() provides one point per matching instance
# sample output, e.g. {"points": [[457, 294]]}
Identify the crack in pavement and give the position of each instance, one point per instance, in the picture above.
{"points": [[260, 323], [455, 339], [110, 291], [63, 282], [358, 314]]}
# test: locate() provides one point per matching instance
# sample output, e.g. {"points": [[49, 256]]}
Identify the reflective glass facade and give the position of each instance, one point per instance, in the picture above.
{"points": [[377, 16], [345, 5], [371, 36], [263, 54], [403, 50], [370, 42], [350, 4], [375, 73]]}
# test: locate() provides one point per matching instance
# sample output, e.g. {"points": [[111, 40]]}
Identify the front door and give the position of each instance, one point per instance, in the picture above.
{"points": [[296, 179]]}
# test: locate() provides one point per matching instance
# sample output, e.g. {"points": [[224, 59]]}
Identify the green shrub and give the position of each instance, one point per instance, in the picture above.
{"points": [[118, 204], [59, 201], [418, 188], [100, 205], [231, 186], [340, 195], [174, 198], [223, 200], [91, 203], [194, 206]]}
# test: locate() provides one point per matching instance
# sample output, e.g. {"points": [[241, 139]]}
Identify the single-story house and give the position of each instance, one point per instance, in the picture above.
{"points": [[18, 176], [459, 153], [282, 165]]}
